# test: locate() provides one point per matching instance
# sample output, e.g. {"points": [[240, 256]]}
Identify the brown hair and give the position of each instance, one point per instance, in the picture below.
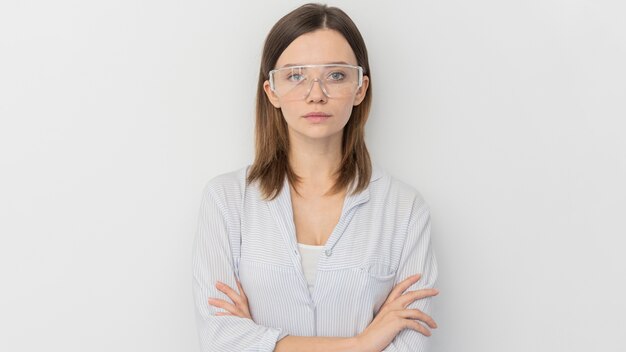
{"points": [[271, 162]]}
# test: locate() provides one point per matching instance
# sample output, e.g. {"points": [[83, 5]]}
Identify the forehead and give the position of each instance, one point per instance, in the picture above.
{"points": [[318, 47]]}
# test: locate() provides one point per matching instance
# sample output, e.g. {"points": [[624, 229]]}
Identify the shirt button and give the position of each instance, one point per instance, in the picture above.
{"points": [[328, 252]]}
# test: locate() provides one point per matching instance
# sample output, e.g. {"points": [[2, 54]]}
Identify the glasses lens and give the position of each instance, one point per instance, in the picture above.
{"points": [[296, 82]]}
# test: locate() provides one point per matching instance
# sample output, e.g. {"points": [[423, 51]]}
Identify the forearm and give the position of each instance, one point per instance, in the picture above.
{"points": [[316, 344]]}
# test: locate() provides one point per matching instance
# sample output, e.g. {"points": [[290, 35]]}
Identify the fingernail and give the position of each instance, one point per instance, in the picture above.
{"points": [[219, 284]]}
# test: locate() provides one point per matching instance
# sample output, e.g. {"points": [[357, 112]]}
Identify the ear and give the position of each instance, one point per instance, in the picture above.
{"points": [[361, 92], [270, 95]]}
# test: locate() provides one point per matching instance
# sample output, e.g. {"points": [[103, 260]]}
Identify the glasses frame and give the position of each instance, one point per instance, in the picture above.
{"points": [[272, 72]]}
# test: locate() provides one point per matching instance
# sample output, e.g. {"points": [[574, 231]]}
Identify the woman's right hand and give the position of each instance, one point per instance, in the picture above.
{"points": [[392, 317]]}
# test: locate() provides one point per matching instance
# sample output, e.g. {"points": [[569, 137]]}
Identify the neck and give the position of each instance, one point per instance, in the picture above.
{"points": [[316, 160]]}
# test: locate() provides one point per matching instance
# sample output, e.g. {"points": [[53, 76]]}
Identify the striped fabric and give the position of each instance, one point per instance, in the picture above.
{"points": [[382, 237]]}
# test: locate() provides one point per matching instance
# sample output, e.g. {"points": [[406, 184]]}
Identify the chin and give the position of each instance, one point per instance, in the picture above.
{"points": [[321, 135]]}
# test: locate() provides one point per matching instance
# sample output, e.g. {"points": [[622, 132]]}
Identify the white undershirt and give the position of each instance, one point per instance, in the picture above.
{"points": [[310, 254]]}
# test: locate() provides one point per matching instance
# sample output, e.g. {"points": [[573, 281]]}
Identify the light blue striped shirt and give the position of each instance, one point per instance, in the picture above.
{"points": [[382, 237]]}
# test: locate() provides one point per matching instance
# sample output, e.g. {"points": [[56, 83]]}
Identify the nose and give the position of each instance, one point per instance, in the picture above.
{"points": [[316, 91]]}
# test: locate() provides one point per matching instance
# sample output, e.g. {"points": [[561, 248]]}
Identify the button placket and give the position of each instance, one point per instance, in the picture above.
{"points": [[344, 220]]}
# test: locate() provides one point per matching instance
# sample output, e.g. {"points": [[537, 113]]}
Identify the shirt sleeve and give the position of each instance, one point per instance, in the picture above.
{"points": [[417, 258], [212, 261]]}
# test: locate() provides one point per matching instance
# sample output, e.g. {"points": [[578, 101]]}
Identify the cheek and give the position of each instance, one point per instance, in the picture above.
{"points": [[348, 111], [291, 112]]}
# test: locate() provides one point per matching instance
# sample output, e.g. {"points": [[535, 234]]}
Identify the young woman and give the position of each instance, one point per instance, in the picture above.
{"points": [[313, 247]]}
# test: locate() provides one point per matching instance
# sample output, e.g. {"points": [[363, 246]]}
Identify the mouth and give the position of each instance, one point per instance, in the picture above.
{"points": [[316, 116]]}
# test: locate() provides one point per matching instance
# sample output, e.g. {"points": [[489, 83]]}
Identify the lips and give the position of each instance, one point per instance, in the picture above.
{"points": [[317, 114]]}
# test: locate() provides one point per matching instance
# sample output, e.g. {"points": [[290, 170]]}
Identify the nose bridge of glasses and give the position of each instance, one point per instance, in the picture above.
{"points": [[319, 72], [321, 84]]}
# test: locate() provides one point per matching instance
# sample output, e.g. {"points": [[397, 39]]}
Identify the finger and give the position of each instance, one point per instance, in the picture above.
{"points": [[402, 286], [412, 324], [234, 296], [419, 315], [216, 302], [390, 303], [411, 296], [243, 294]]}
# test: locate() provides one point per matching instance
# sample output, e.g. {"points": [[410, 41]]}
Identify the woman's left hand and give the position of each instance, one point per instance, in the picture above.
{"points": [[240, 306]]}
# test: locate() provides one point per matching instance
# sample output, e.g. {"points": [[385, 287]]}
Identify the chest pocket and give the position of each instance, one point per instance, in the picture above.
{"points": [[352, 295], [378, 270], [379, 279]]}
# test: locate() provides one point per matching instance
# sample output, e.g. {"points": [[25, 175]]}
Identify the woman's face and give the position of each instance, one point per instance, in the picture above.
{"points": [[322, 46]]}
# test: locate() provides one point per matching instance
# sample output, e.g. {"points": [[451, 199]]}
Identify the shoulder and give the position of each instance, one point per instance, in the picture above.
{"points": [[406, 191], [400, 194], [227, 188]]}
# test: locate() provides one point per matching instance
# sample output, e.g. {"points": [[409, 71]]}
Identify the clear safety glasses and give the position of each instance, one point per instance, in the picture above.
{"points": [[296, 82]]}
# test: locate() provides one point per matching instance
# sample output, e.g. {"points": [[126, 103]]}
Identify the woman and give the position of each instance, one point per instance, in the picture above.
{"points": [[313, 247]]}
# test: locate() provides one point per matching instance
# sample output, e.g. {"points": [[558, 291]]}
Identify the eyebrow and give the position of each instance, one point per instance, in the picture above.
{"points": [[328, 63]]}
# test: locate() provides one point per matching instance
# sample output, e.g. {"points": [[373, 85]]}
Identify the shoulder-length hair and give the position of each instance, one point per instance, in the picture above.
{"points": [[271, 162]]}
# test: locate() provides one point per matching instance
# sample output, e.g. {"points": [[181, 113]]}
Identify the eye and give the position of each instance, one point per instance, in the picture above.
{"points": [[296, 77], [336, 76]]}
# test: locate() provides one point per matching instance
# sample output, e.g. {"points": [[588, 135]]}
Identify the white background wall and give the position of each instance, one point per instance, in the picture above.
{"points": [[508, 116]]}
